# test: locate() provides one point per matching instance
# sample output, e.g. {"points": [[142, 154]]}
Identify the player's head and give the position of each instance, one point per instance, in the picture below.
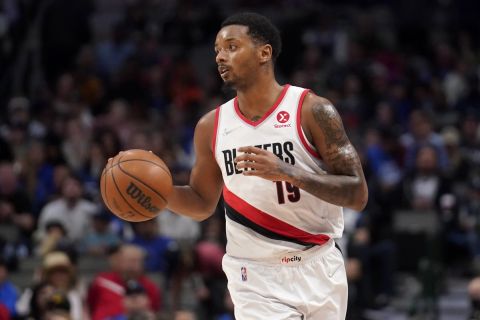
{"points": [[247, 43]]}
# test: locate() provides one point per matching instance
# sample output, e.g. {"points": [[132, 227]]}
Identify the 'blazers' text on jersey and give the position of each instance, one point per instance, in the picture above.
{"points": [[265, 218]]}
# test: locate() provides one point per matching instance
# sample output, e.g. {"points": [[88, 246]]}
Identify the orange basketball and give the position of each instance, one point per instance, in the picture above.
{"points": [[135, 185]]}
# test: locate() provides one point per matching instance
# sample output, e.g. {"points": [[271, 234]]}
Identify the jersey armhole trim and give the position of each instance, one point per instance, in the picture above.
{"points": [[215, 131], [308, 146]]}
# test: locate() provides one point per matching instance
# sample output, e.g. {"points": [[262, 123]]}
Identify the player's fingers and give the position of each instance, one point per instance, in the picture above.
{"points": [[245, 157], [251, 173], [251, 149], [246, 164]]}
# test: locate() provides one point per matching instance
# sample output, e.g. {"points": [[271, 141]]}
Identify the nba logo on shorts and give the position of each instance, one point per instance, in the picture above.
{"points": [[244, 273]]}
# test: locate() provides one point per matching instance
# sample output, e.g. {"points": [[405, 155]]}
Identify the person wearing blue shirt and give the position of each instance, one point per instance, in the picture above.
{"points": [[162, 252], [8, 292]]}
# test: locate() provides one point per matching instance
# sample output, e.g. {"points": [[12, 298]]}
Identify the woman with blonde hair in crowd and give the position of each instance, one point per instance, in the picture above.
{"points": [[58, 272]]}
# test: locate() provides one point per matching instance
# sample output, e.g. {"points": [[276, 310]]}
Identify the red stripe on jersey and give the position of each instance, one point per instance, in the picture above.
{"points": [[269, 222], [305, 143], [215, 129], [265, 116]]}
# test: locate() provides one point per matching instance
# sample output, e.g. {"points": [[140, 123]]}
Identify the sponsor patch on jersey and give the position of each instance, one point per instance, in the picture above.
{"points": [[282, 118], [286, 260], [243, 271]]}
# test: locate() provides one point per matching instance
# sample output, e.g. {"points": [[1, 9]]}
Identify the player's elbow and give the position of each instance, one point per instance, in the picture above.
{"points": [[197, 213], [361, 198], [203, 213], [201, 216]]}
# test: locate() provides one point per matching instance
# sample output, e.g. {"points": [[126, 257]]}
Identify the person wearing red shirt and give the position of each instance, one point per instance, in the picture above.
{"points": [[107, 291]]}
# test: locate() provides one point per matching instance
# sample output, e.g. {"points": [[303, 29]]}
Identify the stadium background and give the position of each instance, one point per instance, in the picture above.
{"points": [[81, 80]]}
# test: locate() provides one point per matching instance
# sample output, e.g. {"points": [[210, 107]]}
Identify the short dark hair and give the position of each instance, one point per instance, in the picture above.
{"points": [[260, 28]]}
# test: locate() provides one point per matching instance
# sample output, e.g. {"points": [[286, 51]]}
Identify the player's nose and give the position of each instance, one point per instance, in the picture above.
{"points": [[220, 57]]}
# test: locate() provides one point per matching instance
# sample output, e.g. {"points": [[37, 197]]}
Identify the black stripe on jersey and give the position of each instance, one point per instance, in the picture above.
{"points": [[237, 217]]}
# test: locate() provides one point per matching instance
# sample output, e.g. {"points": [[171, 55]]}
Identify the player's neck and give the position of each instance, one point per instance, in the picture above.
{"points": [[257, 99]]}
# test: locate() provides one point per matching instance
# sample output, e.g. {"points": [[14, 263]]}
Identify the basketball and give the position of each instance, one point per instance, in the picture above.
{"points": [[135, 185]]}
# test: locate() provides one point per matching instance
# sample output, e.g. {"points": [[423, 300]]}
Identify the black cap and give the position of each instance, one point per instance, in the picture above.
{"points": [[134, 287], [58, 301]]}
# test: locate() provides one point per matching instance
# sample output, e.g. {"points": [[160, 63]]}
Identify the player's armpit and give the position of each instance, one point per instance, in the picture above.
{"points": [[199, 199], [344, 184]]}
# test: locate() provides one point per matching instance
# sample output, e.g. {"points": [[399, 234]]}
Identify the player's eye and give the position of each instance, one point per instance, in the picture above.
{"points": [[232, 47]]}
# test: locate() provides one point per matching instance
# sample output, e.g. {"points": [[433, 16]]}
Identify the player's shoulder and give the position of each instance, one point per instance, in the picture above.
{"points": [[205, 128], [207, 120], [314, 102]]}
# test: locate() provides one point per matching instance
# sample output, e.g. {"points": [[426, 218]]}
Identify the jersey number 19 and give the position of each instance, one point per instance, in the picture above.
{"points": [[293, 193]]}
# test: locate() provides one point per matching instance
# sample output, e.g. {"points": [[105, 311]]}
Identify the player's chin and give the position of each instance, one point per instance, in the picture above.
{"points": [[228, 85]]}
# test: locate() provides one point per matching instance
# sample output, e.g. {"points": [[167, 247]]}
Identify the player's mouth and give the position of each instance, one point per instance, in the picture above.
{"points": [[223, 70]]}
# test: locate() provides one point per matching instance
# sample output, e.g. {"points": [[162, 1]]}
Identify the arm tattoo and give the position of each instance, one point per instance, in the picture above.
{"points": [[343, 185], [340, 154], [328, 120]]}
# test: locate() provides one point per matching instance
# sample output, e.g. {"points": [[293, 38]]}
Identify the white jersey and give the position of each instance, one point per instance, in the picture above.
{"points": [[265, 218]]}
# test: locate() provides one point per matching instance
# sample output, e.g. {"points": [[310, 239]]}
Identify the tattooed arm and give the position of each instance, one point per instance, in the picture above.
{"points": [[344, 184]]}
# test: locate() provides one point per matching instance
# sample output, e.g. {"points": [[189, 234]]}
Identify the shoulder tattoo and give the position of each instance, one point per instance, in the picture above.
{"points": [[330, 122]]}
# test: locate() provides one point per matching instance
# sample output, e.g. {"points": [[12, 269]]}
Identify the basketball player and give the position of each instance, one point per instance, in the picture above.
{"points": [[280, 155]]}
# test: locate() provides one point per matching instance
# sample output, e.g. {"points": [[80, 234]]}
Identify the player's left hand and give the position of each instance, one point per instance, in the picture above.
{"points": [[262, 163]]}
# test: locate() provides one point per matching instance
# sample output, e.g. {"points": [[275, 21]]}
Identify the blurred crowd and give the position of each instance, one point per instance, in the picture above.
{"points": [[81, 80]]}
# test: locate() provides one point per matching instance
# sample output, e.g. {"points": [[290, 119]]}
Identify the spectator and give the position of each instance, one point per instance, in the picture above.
{"points": [[70, 209], [4, 314], [76, 144], [37, 173], [209, 253], [100, 239], [59, 271], [112, 53], [136, 302], [228, 303], [15, 207], [459, 166], [92, 170], [55, 238], [422, 134], [474, 295], [161, 252], [107, 291], [425, 184], [19, 116], [179, 228], [8, 291], [372, 257], [382, 157], [58, 307], [33, 303], [57, 275]]}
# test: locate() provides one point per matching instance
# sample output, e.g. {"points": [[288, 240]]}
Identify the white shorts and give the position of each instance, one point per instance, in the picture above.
{"points": [[307, 285]]}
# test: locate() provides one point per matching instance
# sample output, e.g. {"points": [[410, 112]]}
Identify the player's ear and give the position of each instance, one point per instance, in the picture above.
{"points": [[265, 53]]}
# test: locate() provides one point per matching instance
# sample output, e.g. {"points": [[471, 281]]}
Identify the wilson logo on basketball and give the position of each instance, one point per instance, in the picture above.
{"points": [[282, 117], [142, 199]]}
